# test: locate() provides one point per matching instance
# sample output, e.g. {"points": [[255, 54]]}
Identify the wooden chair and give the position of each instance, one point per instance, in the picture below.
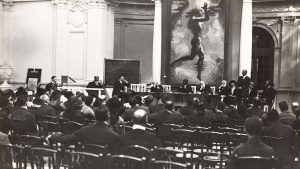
{"points": [[11, 156], [48, 127], [48, 118], [43, 158], [165, 134], [126, 162], [166, 154], [169, 165], [254, 162], [70, 126], [85, 160], [137, 151], [184, 139], [19, 126], [92, 148]]}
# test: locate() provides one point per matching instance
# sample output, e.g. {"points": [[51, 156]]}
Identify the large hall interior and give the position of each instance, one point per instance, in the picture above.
{"points": [[139, 84]]}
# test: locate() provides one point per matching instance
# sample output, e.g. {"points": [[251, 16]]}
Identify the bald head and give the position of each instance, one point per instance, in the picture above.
{"points": [[140, 117]]}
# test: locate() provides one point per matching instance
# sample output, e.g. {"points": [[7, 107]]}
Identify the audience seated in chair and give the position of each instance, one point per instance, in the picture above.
{"points": [[98, 133], [139, 135], [254, 146], [286, 116], [166, 116], [134, 103], [73, 110], [24, 116], [45, 109], [277, 129]]}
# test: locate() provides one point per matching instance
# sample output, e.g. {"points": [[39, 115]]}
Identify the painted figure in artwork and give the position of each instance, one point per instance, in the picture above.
{"points": [[197, 17]]}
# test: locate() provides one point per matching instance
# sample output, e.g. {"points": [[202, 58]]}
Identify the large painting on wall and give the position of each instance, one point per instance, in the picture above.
{"points": [[197, 41]]}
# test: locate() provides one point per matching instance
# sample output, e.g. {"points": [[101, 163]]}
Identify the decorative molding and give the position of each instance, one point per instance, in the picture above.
{"points": [[7, 5], [135, 10], [272, 25]]}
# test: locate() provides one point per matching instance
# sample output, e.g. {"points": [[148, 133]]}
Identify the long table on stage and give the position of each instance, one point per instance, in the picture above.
{"points": [[180, 99]]}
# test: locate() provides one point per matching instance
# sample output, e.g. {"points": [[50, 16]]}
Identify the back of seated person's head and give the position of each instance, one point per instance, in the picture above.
{"points": [[140, 117], [132, 101], [98, 102], [55, 95], [148, 100], [88, 100], [283, 106], [40, 91], [9, 94], [101, 113], [21, 100], [138, 99], [21, 91], [169, 105], [44, 98], [253, 126], [114, 102], [273, 115], [75, 103], [68, 94]]}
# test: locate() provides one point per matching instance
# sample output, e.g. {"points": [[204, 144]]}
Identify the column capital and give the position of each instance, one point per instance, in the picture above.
{"points": [[7, 5], [247, 1]]}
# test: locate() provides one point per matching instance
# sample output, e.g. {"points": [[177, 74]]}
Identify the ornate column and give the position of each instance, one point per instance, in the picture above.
{"points": [[6, 69], [246, 37], [156, 58]]}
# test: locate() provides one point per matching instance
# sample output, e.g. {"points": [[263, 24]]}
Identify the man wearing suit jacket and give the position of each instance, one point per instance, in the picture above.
{"points": [[139, 135], [166, 116], [185, 88], [50, 87], [99, 133], [254, 146], [97, 84], [45, 109], [204, 88], [21, 113], [243, 81], [120, 86]]}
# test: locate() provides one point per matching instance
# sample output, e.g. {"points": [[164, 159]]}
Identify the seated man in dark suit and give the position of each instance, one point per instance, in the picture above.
{"points": [[139, 135], [45, 109], [97, 84], [21, 113], [166, 116], [254, 146], [204, 89], [250, 92], [185, 87], [156, 88], [284, 149], [99, 133], [50, 87]]}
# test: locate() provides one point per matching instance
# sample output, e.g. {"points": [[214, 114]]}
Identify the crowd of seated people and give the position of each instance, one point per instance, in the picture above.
{"points": [[103, 120]]}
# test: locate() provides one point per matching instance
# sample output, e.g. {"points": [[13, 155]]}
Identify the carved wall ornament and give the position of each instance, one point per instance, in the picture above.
{"points": [[7, 4]]}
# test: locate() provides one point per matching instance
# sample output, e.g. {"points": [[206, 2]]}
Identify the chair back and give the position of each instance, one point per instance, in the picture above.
{"points": [[184, 138], [38, 155], [18, 126], [164, 131], [166, 154], [255, 162], [94, 148], [167, 88], [48, 118], [169, 165], [84, 160], [70, 126], [126, 162], [26, 140], [48, 127], [137, 151], [12, 155]]}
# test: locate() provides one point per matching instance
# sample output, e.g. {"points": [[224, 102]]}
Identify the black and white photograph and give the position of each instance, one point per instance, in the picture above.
{"points": [[149, 84]]}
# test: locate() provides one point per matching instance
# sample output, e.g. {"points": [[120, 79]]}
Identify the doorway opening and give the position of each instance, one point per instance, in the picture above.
{"points": [[262, 57]]}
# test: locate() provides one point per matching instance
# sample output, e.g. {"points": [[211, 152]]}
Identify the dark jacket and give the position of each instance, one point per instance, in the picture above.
{"points": [[99, 133], [253, 147], [28, 118], [165, 116], [243, 82], [45, 110], [139, 137], [94, 93], [118, 88], [51, 86]]}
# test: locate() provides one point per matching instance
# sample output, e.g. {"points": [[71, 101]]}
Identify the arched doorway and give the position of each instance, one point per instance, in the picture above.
{"points": [[262, 57]]}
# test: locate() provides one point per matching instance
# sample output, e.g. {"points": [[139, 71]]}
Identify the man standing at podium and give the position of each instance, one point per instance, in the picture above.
{"points": [[120, 86], [97, 84], [50, 87]]}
